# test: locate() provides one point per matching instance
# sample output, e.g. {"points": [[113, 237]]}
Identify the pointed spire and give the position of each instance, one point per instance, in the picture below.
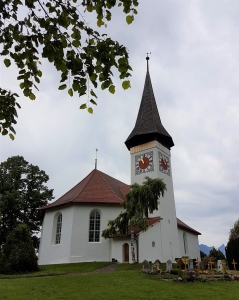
{"points": [[148, 126]]}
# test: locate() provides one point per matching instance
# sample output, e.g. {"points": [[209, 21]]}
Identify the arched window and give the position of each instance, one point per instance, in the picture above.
{"points": [[94, 231], [185, 244], [153, 244], [58, 229]]}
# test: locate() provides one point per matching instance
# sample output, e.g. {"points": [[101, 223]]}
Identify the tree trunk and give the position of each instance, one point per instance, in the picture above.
{"points": [[132, 245]]}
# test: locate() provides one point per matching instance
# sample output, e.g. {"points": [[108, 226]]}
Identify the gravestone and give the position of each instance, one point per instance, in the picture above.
{"points": [[146, 265], [169, 265], [202, 266], [219, 265], [157, 264], [190, 265]]}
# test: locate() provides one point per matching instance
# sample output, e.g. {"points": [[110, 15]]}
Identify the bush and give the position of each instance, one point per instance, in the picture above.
{"points": [[174, 271], [18, 253], [232, 252]]}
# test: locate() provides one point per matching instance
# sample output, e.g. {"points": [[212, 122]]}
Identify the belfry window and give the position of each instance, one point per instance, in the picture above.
{"points": [[58, 229], [94, 231]]}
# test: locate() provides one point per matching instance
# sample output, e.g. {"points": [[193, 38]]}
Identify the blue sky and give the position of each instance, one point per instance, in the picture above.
{"points": [[194, 68]]}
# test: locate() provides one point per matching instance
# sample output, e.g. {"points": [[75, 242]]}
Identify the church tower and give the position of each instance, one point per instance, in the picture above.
{"points": [[149, 144]]}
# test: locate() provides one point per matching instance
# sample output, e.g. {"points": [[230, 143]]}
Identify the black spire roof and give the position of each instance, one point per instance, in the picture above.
{"points": [[148, 126]]}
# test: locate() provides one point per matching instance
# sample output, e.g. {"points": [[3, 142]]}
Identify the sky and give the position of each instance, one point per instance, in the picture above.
{"points": [[194, 69]]}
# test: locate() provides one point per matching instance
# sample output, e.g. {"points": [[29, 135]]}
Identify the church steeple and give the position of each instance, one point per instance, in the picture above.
{"points": [[148, 126]]}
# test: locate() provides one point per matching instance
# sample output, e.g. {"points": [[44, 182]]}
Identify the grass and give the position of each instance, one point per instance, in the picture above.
{"points": [[60, 269], [128, 283]]}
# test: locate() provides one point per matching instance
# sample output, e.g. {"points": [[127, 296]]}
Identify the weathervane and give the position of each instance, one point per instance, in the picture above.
{"points": [[147, 58], [96, 150]]}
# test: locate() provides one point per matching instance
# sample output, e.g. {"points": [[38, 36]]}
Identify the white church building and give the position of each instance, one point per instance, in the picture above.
{"points": [[72, 225]]}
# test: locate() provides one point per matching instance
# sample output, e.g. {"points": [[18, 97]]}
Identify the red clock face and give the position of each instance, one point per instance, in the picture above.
{"points": [[144, 162], [164, 164]]}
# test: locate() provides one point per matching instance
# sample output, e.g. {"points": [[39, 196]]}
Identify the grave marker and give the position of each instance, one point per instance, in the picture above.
{"points": [[219, 266], [190, 265], [198, 262], [234, 264], [210, 266], [223, 266], [169, 265], [157, 264]]}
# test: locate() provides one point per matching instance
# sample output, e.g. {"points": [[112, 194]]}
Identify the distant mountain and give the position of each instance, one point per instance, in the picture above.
{"points": [[206, 249]]}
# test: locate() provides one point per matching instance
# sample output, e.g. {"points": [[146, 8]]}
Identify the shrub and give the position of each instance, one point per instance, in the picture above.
{"points": [[174, 271], [18, 253]]}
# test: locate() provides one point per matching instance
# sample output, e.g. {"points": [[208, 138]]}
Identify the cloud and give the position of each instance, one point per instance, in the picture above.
{"points": [[194, 69]]}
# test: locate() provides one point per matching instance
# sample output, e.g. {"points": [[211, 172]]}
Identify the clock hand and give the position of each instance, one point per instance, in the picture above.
{"points": [[142, 159]]}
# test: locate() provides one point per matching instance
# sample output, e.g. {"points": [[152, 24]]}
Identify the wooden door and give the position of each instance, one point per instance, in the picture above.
{"points": [[126, 252]]}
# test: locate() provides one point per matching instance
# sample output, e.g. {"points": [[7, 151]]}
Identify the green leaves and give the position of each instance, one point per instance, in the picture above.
{"points": [[7, 62], [112, 89], [70, 92], [129, 19], [8, 112], [126, 84], [62, 87], [54, 31], [140, 201], [83, 106]]}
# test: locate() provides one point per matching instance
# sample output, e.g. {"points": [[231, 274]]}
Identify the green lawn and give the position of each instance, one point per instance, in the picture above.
{"points": [[124, 284]]}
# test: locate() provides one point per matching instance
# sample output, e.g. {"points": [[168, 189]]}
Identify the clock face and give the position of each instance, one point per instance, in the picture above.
{"points": [[144, 163], [164, 163]]}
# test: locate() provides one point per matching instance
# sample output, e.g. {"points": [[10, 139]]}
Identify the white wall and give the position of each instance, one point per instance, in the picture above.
{"points": [[117, 249], [81, 249], [75, 245], [146, 250], [49, 252], [192, 248]]}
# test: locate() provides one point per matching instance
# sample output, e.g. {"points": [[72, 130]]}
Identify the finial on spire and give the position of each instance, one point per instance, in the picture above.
{"points": [[96, 150], [147, 58]]}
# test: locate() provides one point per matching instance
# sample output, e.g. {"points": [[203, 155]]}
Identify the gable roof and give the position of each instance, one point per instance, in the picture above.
{"points": [[97, 187], [186, 227], [148, 126]]}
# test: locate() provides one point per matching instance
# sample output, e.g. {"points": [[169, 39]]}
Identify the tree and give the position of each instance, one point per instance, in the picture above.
{"points": [[232, 248], [141, 201], [58, 31], [202, 254], [18, 253], [216, 254], [22, 192]]}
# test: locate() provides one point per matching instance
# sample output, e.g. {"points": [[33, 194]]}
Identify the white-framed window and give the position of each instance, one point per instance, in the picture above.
{"points": [[94, 228], [58, 229]]}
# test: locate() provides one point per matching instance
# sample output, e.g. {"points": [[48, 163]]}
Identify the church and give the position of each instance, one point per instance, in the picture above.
{"points": [[72, 225]]}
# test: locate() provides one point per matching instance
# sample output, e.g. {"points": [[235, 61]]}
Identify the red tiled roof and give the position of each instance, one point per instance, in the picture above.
{"points": [[97, 187], [185, 226]]}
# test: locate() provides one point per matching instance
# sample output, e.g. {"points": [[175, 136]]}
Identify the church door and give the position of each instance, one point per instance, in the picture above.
{"points": [[126, 252]]}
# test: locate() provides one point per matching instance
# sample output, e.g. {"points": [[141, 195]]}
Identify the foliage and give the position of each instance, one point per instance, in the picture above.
{"points": [[18, 253], [234, 232], [216, 254], [232, 252], [58, 31], [232, 248], [140, 201], [202, 254], [8, 112], [22, 192]]}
